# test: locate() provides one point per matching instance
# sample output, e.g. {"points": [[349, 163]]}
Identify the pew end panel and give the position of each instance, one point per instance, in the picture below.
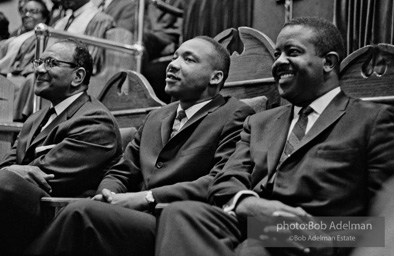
{"points": [[252, 55], [8, 128], [368, 73], [130, 97]]}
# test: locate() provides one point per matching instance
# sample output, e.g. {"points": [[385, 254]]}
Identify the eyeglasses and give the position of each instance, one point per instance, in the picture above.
{"points": [[50, 63], [30, 11]]}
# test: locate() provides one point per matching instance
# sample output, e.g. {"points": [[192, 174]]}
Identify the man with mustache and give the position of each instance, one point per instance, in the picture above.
{"points": [[61, 151], [174, 156], [325, 154]]}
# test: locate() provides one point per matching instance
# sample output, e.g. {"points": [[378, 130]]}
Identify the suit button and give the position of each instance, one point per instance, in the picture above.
{"points": [[159, 165]]}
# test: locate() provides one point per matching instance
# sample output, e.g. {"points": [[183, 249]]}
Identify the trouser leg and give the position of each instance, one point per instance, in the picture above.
{"points": [[194, 228], [94, 228], [20, 214]]}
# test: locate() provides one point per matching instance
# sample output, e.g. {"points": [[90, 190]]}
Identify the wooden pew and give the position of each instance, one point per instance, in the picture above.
{"points": [[8, 128], [252, 55], [130, 97], [368, 73]]}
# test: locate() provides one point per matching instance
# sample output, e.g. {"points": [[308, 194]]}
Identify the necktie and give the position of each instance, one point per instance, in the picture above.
{"points": [[50, 112], [69, 21], [297, 133], [177, 122], [292, 143]]}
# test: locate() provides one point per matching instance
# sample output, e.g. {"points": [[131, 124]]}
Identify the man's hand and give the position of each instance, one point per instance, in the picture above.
{"points": [[135, 201], [253, 206], [32, 174], [297, 239]]}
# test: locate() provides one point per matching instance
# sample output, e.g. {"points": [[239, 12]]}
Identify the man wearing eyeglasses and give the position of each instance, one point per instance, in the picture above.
{"points": [[62, 150], [17, 52]]}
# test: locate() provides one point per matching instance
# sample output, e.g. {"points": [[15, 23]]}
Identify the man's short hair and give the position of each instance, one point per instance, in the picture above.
{"points": [[81, 57], [222, 58], [327, 36]]}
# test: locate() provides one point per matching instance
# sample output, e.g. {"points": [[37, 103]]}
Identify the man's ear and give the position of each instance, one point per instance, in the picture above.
{"points": [[216, 77], [78, 76], [331, 60]]}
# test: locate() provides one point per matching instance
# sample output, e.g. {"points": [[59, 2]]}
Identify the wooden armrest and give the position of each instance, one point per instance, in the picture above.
{"points": [[159, 208], [58, 201], [51, 206]]}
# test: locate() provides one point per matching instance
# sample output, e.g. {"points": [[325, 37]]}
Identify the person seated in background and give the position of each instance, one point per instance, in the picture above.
{"points": [[163, 30], [84, 18], [123, 11], [4, 32], [162, 27], [21, 29], [63, 150], [324, 155], [17, 52], [174, 156]]}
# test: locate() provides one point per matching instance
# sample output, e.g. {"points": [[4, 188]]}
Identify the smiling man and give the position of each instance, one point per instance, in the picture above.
{"points": [[324, 155], [18, 51], [174, 156], [63, 150]]}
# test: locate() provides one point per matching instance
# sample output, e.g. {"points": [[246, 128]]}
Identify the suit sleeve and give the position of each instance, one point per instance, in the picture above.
{"points": [[91, 142], [126, 17], [197, 189], [125, 175], [236, 176], [10, 157], [380, 148]]}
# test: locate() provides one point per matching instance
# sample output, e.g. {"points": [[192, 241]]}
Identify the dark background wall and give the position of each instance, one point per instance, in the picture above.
{"points": [[269, 15]]}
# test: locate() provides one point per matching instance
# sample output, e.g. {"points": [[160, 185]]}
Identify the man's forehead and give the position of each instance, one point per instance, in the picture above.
{"points": [[196, 46], [295, 33], [59, 49]]}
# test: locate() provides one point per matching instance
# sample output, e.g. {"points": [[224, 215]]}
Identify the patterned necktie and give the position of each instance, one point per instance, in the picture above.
{"points": [[177, 122], [50, 112], [292, 143], [297, 133], [69, 21]]}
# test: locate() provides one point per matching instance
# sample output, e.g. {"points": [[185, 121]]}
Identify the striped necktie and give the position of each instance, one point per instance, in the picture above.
{"points": [[297, 133], [292, 143], [177, 122]]}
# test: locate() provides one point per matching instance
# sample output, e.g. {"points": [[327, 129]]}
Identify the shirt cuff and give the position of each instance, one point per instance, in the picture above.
{"points": [[230, 206]]}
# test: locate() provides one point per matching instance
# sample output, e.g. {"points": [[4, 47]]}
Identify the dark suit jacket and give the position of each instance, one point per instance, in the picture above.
{"points": [[341, 163], [123, 12], [183, 166], [77, 147]]}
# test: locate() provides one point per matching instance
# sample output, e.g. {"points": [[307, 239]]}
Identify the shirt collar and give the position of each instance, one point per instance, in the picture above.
{"points": [[107, 2], [193, 109], [320, 104], [59, 108]]}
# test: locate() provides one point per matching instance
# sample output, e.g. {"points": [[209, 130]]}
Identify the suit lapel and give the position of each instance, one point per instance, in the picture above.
{"points": [[169, 119], [166, 124], [36, 125], [335, 110], [210, 107], [278, 135], [65, 115]]}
